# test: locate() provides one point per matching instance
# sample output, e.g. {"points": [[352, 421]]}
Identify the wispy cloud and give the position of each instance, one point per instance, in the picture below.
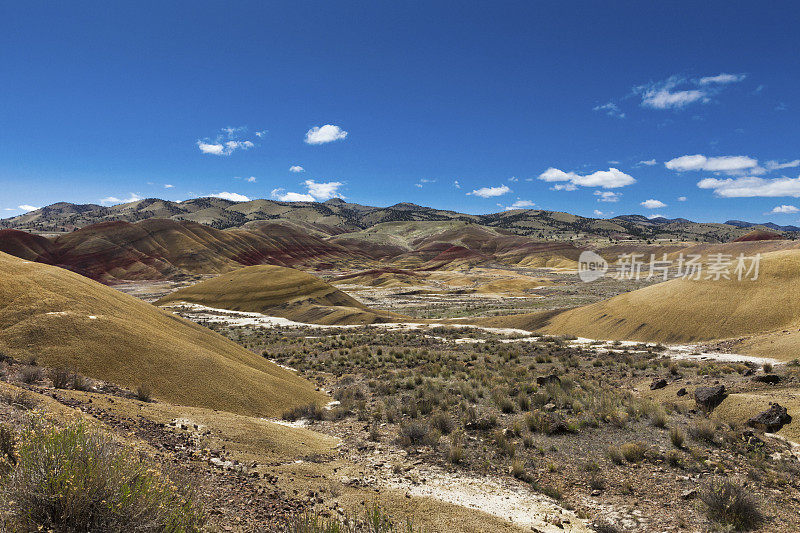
{"points": [[296, 169], [169, 186], [27, 207], [721, 79], [775, 165], [132, 197], [648, 163], [490, 192], [283, 196], [251, 179], [324, 134], [611, 109], [520, 204], [607, 179], [456, 184], [607, 196], [226, 142]]}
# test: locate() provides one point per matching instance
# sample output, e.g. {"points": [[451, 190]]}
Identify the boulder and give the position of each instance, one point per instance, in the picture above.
{"points": [[682, 391], [658, 384], [546, 380], [707, 398], [771, 420], [772, 379]]}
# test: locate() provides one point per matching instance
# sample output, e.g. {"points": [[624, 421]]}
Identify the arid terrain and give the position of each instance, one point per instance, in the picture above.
{"points": [[437, 373]]}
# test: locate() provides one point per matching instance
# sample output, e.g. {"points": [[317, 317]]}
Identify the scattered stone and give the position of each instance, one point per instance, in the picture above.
{"points": [[771, 420], [707, 398], [550, 407], [682, 391], [689, 494], [658, 384]]}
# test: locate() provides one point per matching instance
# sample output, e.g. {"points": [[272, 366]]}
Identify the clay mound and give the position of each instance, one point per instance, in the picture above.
{"points": [[156, 249], [683, 310], [380, 277], [278, 291], [62, 318], [760, 235]]}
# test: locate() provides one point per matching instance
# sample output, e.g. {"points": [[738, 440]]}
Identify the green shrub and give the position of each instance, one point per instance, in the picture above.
{"points": [[75, 479]]}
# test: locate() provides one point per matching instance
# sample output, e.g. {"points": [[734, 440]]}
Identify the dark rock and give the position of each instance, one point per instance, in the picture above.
{"points": [[772, 379], [658, 384], [770, 420], [707, 398], [689, 494], [682, 391], [546, 380]]}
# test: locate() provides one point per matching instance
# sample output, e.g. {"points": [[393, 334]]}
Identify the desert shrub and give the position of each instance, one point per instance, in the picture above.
{"points": [[674, 458], [30, 374], [659, 417], [311, 411], [633, 452], [74, 479], [143, 393], [505, 446], [519, 470], [81, 383], [417, 433], [767, 368], [373, 520], [703, 430], [443, 423], [8, 454], [19, 399], [730, 504], [455, 454], [677, 436], [61, 377], [615, 455]]}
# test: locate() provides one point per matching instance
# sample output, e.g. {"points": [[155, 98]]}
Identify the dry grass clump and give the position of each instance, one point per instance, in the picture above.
{"points": [[61, 377], [311, 411], [730, 504], [143, 393], [30, 374], [632, 452], [75, 479], [677, 437], [416, 433], [703, 430]]}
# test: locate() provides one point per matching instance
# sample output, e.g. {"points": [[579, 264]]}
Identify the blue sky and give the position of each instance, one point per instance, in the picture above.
{"points": [[594, 109]]}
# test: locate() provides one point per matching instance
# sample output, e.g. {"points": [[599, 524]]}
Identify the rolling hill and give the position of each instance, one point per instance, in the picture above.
{"points": [[278, 291], [683, 310], [62, 318], [336, 216]]}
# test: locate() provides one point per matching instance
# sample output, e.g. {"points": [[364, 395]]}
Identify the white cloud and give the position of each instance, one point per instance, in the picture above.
{"points": [[750, 187], [132, 197], [729, 164], [418, 185], [251, 179], [232, 196], [226, 143], [490, 192], [324, 134], [681, 198], [607, 179], [665, 99], [110, 200], [649, 162], [653, 204], [261, 133], [520, 204], [564, 187], [783, 209], [513, 179], [598, 213], [296, 169], [655, 215], [279, 194], [607, 196], [27, 207], [611, 109], [722, 78], [168, 186], [774, 165], [456, 184], [323, 191]]}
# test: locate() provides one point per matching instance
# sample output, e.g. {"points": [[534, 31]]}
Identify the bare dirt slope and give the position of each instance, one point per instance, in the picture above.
{"points": [[62, 318]]}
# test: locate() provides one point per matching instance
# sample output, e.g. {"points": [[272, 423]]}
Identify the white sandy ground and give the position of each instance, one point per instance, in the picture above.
{"points": [[517, 504], [677, 351]]}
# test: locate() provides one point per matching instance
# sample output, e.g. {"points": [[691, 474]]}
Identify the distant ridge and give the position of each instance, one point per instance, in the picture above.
{"points": [[339, 216]]}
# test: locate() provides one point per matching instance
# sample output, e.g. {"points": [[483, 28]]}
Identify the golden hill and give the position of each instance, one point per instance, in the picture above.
{"points": [[277, 291], [682, 310], [62, 318]]}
